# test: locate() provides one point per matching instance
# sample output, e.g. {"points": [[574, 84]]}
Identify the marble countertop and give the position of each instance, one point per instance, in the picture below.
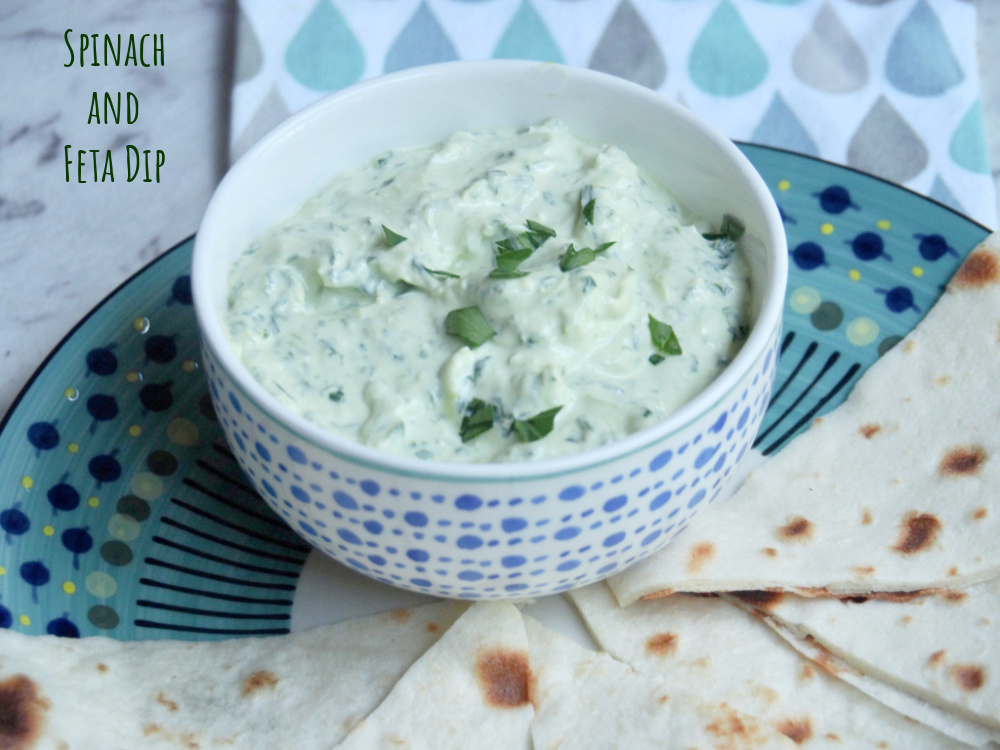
{"points": [[65, 246]]}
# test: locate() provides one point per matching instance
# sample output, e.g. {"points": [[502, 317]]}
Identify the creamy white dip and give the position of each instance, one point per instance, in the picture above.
{"points": [[345, 322]]}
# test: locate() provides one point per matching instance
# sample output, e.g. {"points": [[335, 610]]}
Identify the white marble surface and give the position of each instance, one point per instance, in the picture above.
{"points": [[64, 247]]}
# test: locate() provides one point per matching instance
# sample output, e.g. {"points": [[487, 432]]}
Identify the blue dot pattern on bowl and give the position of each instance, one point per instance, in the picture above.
{"points": [[484, 539]]}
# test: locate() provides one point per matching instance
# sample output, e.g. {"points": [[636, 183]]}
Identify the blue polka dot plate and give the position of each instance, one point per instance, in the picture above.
{"points": [[124, 513]]}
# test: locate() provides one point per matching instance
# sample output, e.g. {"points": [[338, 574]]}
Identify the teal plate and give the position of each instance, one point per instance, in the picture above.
{"points": [[123, 513]]}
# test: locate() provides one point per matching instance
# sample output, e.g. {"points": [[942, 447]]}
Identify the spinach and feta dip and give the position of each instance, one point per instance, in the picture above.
{"points": [[506, 295]]}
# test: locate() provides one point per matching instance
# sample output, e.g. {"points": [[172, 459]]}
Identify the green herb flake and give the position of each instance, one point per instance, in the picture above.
{"points": [[655, 359], [588, 211], [664, 339], [536, 427], [442, 274], [391, 238], [731, 228], [507, 263], [469, 325], [337, 395], [477, 420], [574, 258], [538, 228]]}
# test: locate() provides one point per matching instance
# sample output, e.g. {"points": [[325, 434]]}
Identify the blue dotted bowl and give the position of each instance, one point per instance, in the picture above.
{"points": [[490, 530]]}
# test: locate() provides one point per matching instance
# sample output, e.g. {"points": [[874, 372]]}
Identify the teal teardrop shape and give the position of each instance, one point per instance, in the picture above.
{"points": [[249, 57], [920, 60], [324, 54], [527, 38], [779, 127], [968, 142], [726, 60], [421, 42], [627, 49]]}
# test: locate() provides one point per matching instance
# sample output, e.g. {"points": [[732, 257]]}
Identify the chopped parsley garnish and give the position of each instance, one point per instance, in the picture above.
{"points": [[664, 340], [391, 238], [337, 395], [574, 258], [588, 211], [442, 274], [469, 325], [513, 251], [732, 228], [536, 427], [477, 420]]}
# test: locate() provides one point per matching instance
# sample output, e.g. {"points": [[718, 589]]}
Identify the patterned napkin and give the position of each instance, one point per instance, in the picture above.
{"points": [[889, 87]]}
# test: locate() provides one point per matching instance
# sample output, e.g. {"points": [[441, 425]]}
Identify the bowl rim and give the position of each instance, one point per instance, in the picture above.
{"points": [[213, 337]]}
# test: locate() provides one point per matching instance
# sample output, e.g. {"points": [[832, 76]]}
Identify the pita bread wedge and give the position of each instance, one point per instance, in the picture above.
{"points": [[897, 489], [943, 648], [58, 693], [587, 700], [471, 689], [716, 652]]}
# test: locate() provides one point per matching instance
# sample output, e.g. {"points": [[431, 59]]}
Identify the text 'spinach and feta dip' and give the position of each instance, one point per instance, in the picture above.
{"points": [[500, 296]]}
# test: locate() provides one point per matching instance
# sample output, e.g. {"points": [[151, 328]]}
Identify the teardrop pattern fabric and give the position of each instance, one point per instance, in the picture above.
{"points": [[886, 86]]}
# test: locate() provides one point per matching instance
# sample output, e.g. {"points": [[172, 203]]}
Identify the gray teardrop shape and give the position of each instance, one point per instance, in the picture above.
{"points": [[920, 61], [886, 146], [779, 127], [271, 111], [249, 57], [827, 57], [422, 41], [628, 49]]}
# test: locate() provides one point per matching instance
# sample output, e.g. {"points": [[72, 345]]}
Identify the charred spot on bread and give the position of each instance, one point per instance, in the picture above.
{"points": [[504, 677]]}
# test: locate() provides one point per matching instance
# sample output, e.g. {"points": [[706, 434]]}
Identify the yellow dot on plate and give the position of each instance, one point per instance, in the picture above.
{"points": [[804, 300], [784, 185], [101, 584], [854, 274], [3, 570], [71, 393], [146, 485], [73, 448], [48, 530], [133, 377], [123, 527], [917, 271], [27, 482], [183, 432], [826, 228], [862, 331], [189, 365], [69, 587], [24, 620], [93, 502], [883, 224], [141, 325], [135, 430]]}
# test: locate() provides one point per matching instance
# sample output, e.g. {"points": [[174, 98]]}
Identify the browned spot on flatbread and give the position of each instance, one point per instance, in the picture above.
{"points": [[662, 644], [833, 736], [980, 513], [823, 658], [258, 681], [962, 461], [954, 597], [765, 600], [870, 430], [433, 627], [807, 673], [699, 557], [503, 677], [952, 572], [888, 596], [798, 731], [865, 571], [22, 713], [770, 551], [657, 595], [969, 677], [917, 533], [733, 730], [163, 700], [152, 729], [866, 516], [102, 667], [980, 269], [797, 529], [401, 615], [936, 659]]}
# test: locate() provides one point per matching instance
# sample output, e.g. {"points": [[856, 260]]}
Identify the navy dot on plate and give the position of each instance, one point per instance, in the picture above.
{"points": [[156, 397], [808, 256], [62, 627], [34, 573], [14, 521], [102, 361], [572, 492], [510, 525], [104, 468], [181, 290], [102, 407], [615, 503], [415, 519], [344, 500], [468, 502], [43, 435], [63, 497], [160, 349]]}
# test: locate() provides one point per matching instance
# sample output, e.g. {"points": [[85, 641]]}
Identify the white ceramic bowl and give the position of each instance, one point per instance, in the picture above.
{"points": [[490, 530]]}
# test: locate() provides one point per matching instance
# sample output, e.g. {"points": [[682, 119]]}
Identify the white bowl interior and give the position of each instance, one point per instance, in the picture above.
{"points": [[706, 173]]}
